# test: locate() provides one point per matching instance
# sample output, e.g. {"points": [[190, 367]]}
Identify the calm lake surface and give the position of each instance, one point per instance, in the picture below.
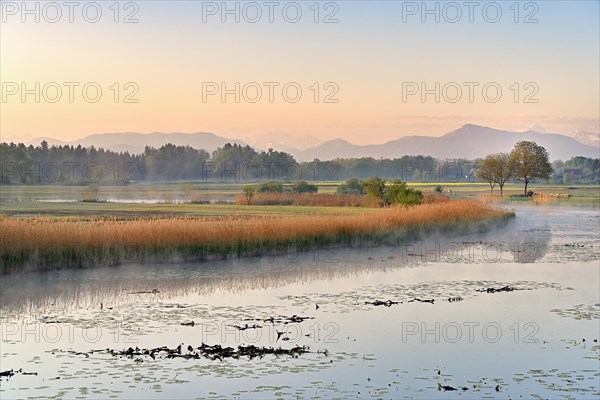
{"points": [[539, 340]]}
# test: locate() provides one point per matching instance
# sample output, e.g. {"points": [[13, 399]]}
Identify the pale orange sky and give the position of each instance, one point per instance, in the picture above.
{"points": [[369, 55]]}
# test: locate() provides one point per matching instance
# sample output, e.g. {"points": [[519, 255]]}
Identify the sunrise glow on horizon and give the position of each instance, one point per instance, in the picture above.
{"points": [[367, 72]]}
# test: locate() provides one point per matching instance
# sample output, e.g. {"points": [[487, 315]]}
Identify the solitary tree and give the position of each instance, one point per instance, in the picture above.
{"points": [[248, 192], [531, 162]]}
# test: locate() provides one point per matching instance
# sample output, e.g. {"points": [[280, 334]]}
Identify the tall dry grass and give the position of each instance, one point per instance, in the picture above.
{"points": [[435, 198], [542, 198], [309, 199], [47, 242], [492, 198]]}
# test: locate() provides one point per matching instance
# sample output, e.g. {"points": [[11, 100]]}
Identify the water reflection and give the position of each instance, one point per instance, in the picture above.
{"points": [[527, 342], [526, 239]]}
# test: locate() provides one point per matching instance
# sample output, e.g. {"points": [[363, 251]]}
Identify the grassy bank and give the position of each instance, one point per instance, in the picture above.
{"points": [[46, 242], [309, 199], [18, 197]]}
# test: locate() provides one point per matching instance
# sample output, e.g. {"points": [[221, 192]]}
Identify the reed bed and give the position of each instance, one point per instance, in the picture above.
{"points": [[429, 198], [309, 199], [552, 195], [541, 199], [492, 198], [54, 243]]}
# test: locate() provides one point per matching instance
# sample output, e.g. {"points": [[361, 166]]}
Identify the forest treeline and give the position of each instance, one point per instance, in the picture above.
{"points": [[233, 163]]}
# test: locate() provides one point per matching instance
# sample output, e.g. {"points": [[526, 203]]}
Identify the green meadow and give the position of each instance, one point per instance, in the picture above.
{"points": [[210, 199]]}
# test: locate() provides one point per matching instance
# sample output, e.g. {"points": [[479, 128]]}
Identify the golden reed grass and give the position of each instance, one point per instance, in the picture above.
{"points": [[41, 241], [541, 198], [492, 198]]}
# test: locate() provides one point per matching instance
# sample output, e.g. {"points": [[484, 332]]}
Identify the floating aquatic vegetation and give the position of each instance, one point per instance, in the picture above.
{"points": [[579, 311], [212, 352], [424, 292]]}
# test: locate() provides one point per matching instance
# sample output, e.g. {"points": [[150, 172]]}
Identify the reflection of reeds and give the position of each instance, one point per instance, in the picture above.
{"points": [[46, 242]]}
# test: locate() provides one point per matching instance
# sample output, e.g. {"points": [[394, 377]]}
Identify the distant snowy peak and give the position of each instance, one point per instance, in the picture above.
{"points": [[589, 138]]}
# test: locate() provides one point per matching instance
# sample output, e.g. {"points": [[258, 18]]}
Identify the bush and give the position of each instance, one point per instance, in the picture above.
{"points": [[249, 192], [398, 193], [351, 186], [270, 187], [304, 187], [376, 188], [392, 192], [438, 189]]}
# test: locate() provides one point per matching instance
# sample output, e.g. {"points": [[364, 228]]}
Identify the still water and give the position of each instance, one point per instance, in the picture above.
{"points": [[538, 340]]}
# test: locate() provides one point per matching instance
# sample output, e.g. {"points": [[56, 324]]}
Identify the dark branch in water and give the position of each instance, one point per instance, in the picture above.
{"points": [[446, 388], [246, 326], [10, 373], [387, 303], [494, 290], [422, 301], [79, 353], [153, 291], [281, 320]]}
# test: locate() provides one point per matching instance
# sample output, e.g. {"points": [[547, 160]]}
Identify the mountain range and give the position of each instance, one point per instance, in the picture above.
{"points": [[469, 141]]}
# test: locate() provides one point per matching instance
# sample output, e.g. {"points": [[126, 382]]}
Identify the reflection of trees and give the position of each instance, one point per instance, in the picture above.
{"points": [[527, 245], [530, 247]]}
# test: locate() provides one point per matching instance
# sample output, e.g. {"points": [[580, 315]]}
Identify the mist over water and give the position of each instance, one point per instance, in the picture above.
{"points": [[548, 255]]}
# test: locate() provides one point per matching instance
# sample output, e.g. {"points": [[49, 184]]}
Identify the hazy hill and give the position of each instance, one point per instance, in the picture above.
{"points": [[136, 142], [469, 141]]}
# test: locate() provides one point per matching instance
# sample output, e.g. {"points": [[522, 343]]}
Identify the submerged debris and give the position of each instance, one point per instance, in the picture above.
{"points": [[281, 320], [421, 301], [246, 326], [79, 353], [214, 352], [153, 291], [494, 290], [447, 388], [11, 372], [387, 303], [8, 373]]}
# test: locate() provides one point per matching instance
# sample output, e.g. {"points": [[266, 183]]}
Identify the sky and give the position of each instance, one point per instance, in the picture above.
{"points": [[364, 71]]}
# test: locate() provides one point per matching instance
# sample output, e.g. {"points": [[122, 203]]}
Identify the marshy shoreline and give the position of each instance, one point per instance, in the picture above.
{"points": [[46, 243]]}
